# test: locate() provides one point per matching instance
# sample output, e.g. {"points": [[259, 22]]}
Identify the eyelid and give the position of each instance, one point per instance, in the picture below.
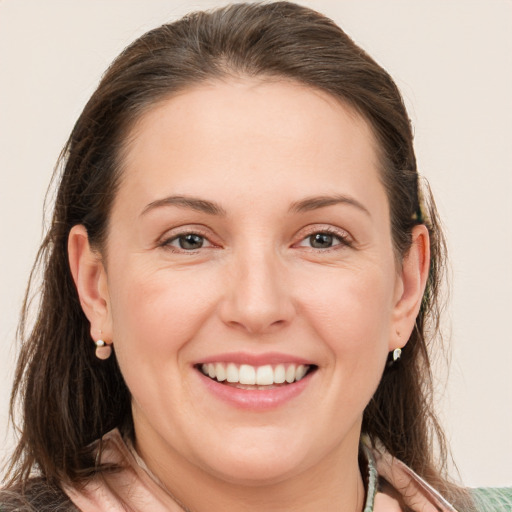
{"points": [[175, 233], [345, 238], [205, 245]]}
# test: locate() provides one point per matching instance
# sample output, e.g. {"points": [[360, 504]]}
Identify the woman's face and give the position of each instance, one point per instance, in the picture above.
{"points": [[250, 239]]}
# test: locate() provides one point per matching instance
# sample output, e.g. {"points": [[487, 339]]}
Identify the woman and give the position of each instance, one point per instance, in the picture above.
{"points": [[239, 276]]}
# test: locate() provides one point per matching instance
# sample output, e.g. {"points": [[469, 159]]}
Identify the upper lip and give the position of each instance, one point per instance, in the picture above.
{"points": [[254, 359]]}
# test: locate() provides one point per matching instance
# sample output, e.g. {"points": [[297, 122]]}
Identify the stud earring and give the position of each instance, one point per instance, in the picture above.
{"points": [[103, 350], [394, 357], [396, 354]]}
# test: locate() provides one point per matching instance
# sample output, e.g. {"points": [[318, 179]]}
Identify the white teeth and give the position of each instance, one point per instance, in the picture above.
{"points": [[232, 373], [220, 372], [265, 375], [246, 374], [290, 373], [301, 371], [279, 374]]}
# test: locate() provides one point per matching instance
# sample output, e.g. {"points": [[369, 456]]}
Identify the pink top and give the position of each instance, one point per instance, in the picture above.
{"points": [[134, 488]]}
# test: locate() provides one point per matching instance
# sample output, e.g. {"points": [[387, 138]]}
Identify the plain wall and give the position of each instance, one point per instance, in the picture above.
{"points": [[453, 63]]}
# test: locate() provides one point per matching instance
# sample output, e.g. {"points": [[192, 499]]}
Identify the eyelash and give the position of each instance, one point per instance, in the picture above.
{"points": [[167, 242], [342, 237]]}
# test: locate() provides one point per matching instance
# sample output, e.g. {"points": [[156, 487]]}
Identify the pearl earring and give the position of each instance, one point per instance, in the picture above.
{"points": [[103, 350]]}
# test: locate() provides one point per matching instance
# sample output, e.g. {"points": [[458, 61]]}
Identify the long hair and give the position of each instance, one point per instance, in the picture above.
{"points": [[68, 399]]}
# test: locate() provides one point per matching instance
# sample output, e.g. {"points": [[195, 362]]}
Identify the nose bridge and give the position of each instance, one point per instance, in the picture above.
{"points": [[258, 299]]}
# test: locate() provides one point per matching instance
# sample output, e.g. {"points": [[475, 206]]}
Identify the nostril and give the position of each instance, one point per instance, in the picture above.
{"points": [[256, 301]]}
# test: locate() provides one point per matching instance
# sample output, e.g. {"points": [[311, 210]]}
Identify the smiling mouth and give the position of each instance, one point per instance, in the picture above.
{"points": [[245, 376]]}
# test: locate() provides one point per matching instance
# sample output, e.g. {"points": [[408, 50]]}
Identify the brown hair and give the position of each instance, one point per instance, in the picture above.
{"points": [[69, 398]]}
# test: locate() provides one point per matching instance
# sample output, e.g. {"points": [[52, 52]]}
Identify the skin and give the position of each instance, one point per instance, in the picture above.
{"points": [[256, 149]]}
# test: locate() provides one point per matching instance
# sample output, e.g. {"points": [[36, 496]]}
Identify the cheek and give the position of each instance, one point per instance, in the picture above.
{"points": [[351, 312], [352, 305], [154, 316], [156, 312]]}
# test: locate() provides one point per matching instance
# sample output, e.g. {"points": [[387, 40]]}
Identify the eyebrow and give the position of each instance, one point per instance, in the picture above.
{"points": [[211, 208], [316, 202], [193, 203]]}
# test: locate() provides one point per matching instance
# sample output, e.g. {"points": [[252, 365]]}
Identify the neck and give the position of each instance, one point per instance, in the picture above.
{"points": [[335, 483]]}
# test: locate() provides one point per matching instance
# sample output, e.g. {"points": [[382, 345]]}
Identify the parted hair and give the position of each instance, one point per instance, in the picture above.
{"points": [[66, 397]]}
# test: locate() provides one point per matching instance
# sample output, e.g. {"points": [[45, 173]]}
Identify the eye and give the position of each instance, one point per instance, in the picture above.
{"points": [[188, 242], [324, 240], [321, 240]]}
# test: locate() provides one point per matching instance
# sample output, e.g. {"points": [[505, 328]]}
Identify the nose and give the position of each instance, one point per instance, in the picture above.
{"points": [[258, 297]]}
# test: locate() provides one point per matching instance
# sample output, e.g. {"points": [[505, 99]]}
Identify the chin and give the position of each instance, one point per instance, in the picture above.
{"points": [[255, 473], [260, 459]]}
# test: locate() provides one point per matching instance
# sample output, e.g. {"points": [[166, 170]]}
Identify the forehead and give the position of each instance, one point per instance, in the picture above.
{"points": [[238, 101], [260, 133]]}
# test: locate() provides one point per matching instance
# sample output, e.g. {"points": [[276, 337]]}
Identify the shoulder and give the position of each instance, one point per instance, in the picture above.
{"points": [[37, 496], [493, 499]]}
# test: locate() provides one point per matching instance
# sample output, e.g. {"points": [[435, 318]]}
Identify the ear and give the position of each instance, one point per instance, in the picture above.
{"points": [[411, 282], [90, 280]]}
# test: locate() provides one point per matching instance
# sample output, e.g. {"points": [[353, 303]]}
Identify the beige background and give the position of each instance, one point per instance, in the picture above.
{"points": [[452, 60]]}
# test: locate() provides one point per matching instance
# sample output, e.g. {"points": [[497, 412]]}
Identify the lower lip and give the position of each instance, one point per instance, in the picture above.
{"points": [[256, 399]]}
